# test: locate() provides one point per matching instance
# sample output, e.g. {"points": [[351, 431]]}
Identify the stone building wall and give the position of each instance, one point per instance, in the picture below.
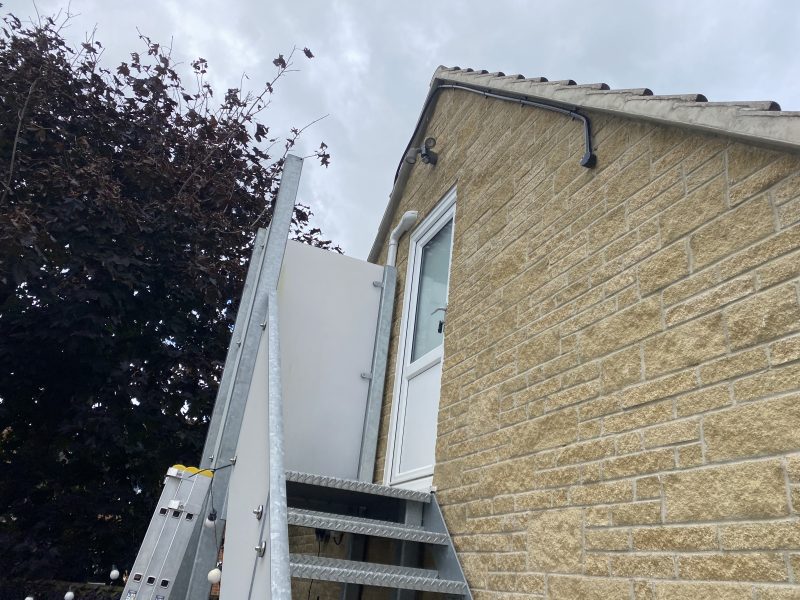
{"points": [[619, 415]]}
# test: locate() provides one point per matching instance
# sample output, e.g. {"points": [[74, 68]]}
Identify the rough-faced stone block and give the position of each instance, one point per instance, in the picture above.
{"points": [[776, 380], [622, 368], [537, 350], [651, 461], [555, 540], [680, 590], [711, 300], [763, 179], [549, 431], [637, 513], [761, 536], [672, 433], [519, 583], [784, 351], [632, 565], [733, 567], [699, 207], [735, 365], [763, 316], [689, 344], [760, 428], [607, 539], [622, 329], [671, 539], [587, 588], [779, 593], [754, 490], [733, 231], [648, 487], [602, 493], [663, 268], [663, 387]]}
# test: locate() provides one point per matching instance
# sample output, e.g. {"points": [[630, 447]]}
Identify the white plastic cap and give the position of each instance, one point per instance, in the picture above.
{"points": [[214, 575]]}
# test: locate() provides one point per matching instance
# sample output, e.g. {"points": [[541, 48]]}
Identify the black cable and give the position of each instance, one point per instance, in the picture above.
{"points": [[319, 552], [211, 495], [588, 160]]}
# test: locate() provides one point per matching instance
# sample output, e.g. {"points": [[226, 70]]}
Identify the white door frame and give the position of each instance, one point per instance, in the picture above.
{"points": [[443, 211]]}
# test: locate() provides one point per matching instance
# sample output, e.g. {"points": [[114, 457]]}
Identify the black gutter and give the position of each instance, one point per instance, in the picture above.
{"points": [[589, 159]]}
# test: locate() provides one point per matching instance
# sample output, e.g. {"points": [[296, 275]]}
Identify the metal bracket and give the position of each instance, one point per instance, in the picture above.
{"points": [[377, 284], [366, 375], [259, 511], [261, 549]]}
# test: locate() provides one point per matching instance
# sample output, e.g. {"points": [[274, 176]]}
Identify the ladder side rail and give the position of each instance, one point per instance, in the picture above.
{"points": [[217, 423], [185, 534], [168, 566], [224, 428], [280, 578], [267, 284], [155, 530], [380, 355]]}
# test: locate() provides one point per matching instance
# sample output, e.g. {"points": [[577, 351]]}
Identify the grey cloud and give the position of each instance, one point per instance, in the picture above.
{"points": [[375, 59]]}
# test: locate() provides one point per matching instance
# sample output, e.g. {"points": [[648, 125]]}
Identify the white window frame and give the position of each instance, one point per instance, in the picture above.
{"points": [[444, 210]]}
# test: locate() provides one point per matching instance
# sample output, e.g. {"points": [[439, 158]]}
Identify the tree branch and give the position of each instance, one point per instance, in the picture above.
{"points": [[7, 184]]}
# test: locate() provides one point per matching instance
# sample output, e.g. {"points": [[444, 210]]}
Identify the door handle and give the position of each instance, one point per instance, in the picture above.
{"points": [[443, 309]]}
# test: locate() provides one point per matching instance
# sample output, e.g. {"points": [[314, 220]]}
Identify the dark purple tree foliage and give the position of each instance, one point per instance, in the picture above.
{"points": [[128, 206]]}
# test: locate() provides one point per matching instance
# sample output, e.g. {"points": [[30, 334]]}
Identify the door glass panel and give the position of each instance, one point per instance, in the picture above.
{"points": [[433, 273], [418, 445]]}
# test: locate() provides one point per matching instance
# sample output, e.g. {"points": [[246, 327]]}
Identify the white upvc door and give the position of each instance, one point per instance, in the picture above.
{"points": [[412, 444]]}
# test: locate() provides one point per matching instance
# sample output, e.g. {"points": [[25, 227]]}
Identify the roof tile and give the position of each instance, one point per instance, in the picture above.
{"points": [[766, 123]]}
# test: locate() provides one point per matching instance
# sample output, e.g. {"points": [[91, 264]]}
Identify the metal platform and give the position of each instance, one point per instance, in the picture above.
{"points": [[347, 571], [352, 485], [363, 526]]}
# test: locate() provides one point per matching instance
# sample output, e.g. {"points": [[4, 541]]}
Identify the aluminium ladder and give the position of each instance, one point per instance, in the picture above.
{"points": [[179, 552], [176, 518]]}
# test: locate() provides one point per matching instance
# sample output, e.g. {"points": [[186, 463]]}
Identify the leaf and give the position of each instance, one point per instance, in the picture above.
{"points": [[280, 62], [308, 53], [261, 132]]}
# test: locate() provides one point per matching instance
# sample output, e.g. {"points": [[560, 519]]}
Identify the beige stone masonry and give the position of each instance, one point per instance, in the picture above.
{"points": [[620, 405]]}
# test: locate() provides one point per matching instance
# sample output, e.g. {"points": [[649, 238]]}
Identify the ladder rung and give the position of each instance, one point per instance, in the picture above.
{"points": [[357, 486], [304, 566], [363, 526]]}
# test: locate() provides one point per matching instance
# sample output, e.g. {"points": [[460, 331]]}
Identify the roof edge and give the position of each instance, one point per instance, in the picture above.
{"points": [[759, 122]]}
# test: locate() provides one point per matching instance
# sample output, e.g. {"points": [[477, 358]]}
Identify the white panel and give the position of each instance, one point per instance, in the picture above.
{"points": [[418, 445], [328, 310], [248, 488]]}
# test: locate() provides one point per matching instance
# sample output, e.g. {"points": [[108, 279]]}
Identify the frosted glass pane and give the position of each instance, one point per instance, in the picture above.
{"points": [[432, 294]]}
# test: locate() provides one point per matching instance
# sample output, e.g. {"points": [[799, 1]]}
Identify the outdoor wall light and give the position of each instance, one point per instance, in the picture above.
{"points": [[429, 157], [114, 575], [211, 519]]}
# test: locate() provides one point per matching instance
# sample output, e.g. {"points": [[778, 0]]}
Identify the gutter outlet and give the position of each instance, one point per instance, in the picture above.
{"points": [[406, 221]]}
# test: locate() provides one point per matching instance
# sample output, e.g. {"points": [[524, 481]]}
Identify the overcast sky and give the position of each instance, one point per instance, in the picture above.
{"points": [[374, 61]]}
